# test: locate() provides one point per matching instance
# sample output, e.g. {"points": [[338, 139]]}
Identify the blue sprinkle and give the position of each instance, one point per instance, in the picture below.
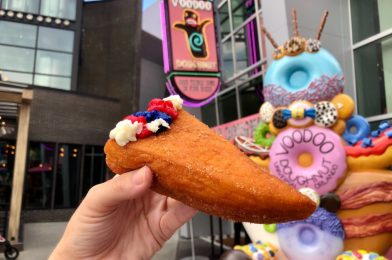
{"points": [[153, 115], [373, 256], [367, 142], [389, 134], [375, 133], [383, 126], [352, 141], [260, 256]]}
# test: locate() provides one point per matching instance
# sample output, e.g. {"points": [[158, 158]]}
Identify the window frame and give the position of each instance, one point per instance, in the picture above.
{"points": [[355, 46], [237, 80]]}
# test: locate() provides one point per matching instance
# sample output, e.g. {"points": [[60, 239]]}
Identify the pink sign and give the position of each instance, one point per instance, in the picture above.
{"points": [[241, 127], [199, 88], [192, 35]]}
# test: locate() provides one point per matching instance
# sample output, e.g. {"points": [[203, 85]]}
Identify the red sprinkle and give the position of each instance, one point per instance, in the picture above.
{"points": [[163, 106], [145, 132], [139, 119]]}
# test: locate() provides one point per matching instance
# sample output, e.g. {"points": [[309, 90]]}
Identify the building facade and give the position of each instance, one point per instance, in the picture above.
{"points": [[357, 33], [77, 64]]}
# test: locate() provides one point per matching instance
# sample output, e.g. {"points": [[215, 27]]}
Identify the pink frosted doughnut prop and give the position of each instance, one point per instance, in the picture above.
{"points": [[328, 158]]}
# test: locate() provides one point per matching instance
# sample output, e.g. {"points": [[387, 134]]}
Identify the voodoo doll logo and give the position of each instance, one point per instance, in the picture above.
{"points": [[194, 32]]}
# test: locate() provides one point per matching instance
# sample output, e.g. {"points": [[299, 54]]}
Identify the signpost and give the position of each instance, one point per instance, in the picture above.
{"points": [[190, 50]]}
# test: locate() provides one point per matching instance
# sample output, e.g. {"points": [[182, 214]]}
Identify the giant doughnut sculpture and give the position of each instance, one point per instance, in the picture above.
{"points": [[321, 147]]}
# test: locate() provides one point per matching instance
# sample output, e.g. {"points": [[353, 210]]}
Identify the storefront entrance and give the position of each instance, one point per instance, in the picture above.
{"points": [[14, 127], [7, 159]]}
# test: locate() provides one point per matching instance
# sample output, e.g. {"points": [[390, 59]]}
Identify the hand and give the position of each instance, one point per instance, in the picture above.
{"points": [[122, 219]]}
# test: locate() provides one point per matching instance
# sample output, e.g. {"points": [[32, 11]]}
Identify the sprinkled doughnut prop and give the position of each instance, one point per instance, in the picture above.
{"points": [[302, 70], [318, 237], [372, 152]]}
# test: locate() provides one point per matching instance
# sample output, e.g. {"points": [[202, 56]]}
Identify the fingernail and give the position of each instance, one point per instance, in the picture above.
{"points": [[139, 177]]}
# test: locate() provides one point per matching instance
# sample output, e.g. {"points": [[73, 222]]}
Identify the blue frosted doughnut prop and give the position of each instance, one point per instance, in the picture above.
{"points": [[319, 237], [357, 128], [308, 76]]}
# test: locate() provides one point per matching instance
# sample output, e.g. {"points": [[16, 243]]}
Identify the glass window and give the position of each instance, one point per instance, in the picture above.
{"points": [[28, 6], [373, 72], [19, 59], [53, 63], [39, 176], [26, 78], [59, 8], [55, 39], [240, 50], [94, 170], [68, 176], [249, 100], [370, 17], [18, 34], [227, 107], [227, 60], [208, 114], [52, 81], [224, 20], [238, 12]]}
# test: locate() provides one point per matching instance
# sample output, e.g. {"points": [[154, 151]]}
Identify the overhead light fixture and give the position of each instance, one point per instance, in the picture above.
{"points": [[2, 12], [57, 21], [10, 13], [19, 15], [40, 18], [48, 19], [29, 17], [66, 22]]}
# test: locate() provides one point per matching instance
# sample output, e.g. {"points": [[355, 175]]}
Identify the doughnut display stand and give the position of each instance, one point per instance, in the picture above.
{"points": [[328, 153]]}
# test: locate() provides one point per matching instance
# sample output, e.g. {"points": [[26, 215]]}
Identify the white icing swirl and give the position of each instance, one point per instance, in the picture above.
{"points": [[176, 100], [153, 126], [125, 131]]}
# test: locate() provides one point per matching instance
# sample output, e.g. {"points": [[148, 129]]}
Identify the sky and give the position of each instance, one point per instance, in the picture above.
{"points": [[148, 3]]}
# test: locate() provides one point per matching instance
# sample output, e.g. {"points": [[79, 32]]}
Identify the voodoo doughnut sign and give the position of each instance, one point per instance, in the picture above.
{"points": [[311, 157], [190, 50]]}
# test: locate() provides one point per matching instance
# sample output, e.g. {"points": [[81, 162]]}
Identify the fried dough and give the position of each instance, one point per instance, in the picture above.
{"points": [[194, 165]]}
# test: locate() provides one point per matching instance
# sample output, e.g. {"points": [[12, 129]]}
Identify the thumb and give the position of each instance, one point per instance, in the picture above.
{"points": [[126, 186]]}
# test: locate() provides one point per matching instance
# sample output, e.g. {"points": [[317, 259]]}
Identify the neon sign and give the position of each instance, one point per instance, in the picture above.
{"points": [[190, 50]]}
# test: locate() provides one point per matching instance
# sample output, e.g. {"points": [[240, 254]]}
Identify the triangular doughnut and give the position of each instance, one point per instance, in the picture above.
{"points": [[196, 166]]}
